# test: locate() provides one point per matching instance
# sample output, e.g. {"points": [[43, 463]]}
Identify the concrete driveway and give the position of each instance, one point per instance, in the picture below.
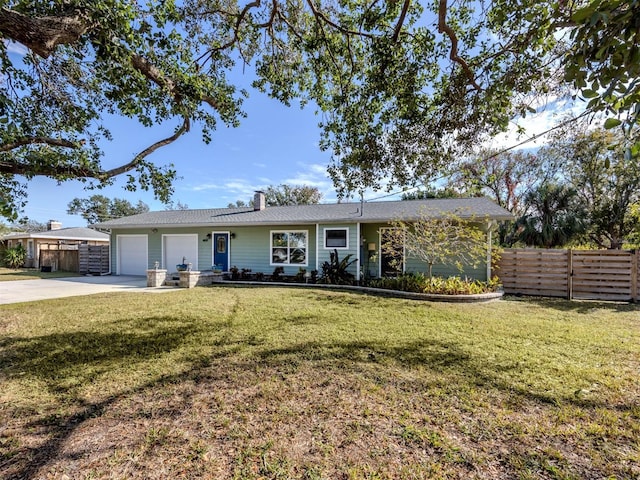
{"points": [[32, 290]]}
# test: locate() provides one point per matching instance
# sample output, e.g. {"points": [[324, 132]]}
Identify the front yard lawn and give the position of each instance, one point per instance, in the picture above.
{"points": [[247, 383], [10, 274]]}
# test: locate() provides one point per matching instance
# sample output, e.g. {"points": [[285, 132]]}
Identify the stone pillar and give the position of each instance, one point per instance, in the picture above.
{"points": [[156, 278], [189, 279]]}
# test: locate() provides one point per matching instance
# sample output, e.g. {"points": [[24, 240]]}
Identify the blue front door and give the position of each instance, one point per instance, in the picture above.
{"points": [[221, 251]]}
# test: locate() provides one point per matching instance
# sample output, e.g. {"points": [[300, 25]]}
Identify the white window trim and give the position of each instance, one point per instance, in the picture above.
{"points": [[213, 246], [271, 247], [324, 238]]}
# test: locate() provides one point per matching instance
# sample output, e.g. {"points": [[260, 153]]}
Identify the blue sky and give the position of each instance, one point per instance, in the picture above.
{"points": [[275, 144]]}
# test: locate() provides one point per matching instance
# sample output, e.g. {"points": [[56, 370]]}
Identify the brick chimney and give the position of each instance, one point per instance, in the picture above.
{"points": [[54, 225], [259, 201]]}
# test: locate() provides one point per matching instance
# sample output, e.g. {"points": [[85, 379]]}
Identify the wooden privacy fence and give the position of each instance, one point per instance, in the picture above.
{"points": [[84, 259], [93, 259], [572, 274], [66, 260]]}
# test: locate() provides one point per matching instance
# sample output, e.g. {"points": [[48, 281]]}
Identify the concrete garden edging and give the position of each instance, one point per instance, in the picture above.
{"points": [[431, 297]]}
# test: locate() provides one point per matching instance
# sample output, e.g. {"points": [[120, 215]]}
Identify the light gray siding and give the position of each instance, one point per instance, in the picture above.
{"points": [[371, 263], [251, 248], [351, 249]]}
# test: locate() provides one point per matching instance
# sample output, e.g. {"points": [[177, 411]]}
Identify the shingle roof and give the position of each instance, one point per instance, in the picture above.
{"points": [[71, 233], [369, 212]]}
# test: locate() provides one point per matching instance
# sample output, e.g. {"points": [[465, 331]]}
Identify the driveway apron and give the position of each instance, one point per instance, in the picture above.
{"points": [[32, 290]]}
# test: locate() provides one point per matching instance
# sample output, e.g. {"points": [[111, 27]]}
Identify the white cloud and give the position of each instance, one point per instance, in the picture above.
{"points": [[16, 48], [535, 126]]}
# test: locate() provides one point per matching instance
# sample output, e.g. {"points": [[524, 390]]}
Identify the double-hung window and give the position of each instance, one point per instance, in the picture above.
{"points": [[336, 238], [289, 247]]}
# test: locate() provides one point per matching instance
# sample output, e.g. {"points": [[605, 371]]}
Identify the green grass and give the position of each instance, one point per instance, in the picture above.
{"points": [[252, 383], [10, 274]]}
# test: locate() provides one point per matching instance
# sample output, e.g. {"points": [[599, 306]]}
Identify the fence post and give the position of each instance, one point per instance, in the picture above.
{"points": [[569, 274], [635, 293]]}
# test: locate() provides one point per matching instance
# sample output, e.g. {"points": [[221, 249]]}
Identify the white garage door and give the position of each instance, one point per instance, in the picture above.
{"points": [[177, 247], [132, 255]]}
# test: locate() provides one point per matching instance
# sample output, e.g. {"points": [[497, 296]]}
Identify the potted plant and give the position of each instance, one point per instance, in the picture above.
{"points": [[184, 266]]}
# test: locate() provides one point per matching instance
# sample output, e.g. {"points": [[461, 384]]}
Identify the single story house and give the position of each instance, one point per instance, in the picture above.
{"points": [[262, 238], [54, 238]]}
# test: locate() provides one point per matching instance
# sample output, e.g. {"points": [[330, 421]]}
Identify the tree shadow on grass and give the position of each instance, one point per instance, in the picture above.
{"points": [[63, 361], [456, 367], [56, 357], [574, 306]]}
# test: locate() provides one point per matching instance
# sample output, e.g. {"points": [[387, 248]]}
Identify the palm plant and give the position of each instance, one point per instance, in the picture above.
{"points": [[554, 217], [335, 271]]}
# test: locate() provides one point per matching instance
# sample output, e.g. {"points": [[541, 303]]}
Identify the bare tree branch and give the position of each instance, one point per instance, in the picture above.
{"points": [[321, 16], [443, 27], [186, 125], [403, 15], [40, 169]]}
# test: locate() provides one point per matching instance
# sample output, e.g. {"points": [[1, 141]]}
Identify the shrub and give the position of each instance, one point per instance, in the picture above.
{"points": [[15, 257], [419, 283], [299, 277], [277, 275], [235, 273]]}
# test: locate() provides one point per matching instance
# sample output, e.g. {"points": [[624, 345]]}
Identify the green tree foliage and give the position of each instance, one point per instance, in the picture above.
{"points": [[607, 181], [283, 195], [28, 225], [445, 240], [85, 60], [505, 177], [404, 87], [553, 218], [445, 192], [603, 60], [99, 208], [634, 214]]}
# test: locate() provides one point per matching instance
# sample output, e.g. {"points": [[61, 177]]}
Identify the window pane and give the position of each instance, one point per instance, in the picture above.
{"points": [[336, 238], [298, 239], [280, 240], [221, 245], [298, 255], [280, 255]]}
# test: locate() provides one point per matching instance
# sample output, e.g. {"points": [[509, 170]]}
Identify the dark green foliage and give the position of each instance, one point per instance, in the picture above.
{"points": [[14, 257], [235, 273], [277, 275], [554, 217], [299, 277], [403, 87], [99, 208], [419, 283], [335, 271], [603, 60]]}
